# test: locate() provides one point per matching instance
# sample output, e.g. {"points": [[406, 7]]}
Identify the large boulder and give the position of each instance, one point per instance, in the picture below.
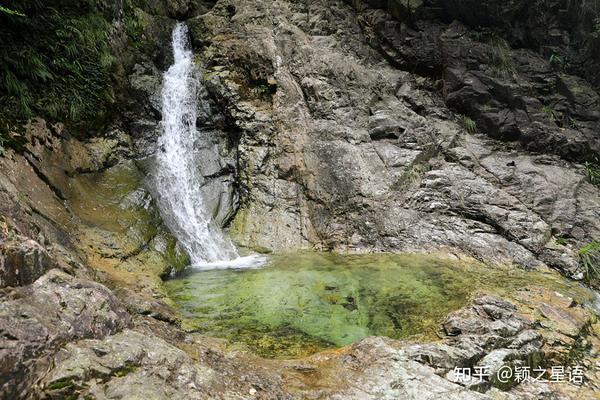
{"points": [[22, 261], [36, 320]]}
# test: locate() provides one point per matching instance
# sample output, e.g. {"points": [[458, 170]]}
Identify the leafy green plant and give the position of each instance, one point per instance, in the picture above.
{"points": [[589, 256], [549, 111], [596, 31], [260, 90], [592, 171], [562, 63], [8, 11], [55, 61], [469, 124]]}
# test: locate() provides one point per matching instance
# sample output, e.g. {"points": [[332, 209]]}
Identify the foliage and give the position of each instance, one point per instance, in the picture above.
{"points": [[596, 30], [2, 144], [8, 11], [470, 125], [501, 58], [593, 173], [589, 256], [55, 61], [561, 63], [549, 111], [416, 172]]}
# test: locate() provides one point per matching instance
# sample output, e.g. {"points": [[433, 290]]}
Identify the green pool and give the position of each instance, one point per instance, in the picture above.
{"points": [[301, 303]]}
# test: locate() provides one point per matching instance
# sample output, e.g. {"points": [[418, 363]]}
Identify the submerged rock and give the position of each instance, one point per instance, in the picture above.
{"points": [[493, 333]]}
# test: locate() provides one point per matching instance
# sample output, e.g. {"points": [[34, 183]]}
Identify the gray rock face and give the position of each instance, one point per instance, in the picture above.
{"points": [[37, 319], [339, 149], [22, 261]]}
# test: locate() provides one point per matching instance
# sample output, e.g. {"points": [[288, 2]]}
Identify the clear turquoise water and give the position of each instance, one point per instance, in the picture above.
{"points": [[305, 302]]}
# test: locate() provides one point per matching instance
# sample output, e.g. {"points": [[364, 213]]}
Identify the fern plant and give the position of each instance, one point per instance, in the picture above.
{"points": [[55, 60]]}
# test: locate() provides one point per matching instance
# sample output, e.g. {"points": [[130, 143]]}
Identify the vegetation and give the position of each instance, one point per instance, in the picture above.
{"points": [[596, 31], [469, 124], [589, 256], [8, 11], [549, 111], [501, 57], [416, 172], [55, 61], [593, 173], [562, 63], [2, 144]]}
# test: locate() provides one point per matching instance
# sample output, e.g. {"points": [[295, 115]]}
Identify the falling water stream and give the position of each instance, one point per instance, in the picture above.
{"points": [[178, 179]]}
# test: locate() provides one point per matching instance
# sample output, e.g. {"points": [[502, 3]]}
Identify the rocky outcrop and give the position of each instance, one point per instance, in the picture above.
{"points": [[512, 95], [339, 147], [37, 319], [22, 261], [533, 330]]}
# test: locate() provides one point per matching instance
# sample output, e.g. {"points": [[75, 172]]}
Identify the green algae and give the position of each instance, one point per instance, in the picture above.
{"points": [[305, 302], [117, 210]]}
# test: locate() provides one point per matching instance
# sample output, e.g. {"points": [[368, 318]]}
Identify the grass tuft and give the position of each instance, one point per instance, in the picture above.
{"points": [[589, 257], [592, 171], [469, 124]]}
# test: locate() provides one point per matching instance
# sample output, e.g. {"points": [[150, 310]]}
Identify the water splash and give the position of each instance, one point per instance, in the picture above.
{"points": [[178, 180]]}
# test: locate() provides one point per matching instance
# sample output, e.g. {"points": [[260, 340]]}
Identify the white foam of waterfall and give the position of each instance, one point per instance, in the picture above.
{"points": [[177, 178]]}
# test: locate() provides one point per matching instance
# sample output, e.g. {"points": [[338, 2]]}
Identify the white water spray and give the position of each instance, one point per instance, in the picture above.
{"points": [[178, 179]]}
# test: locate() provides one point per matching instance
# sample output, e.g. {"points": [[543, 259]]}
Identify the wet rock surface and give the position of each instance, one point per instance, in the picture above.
{"points": [[340, 147], [345, 125]]}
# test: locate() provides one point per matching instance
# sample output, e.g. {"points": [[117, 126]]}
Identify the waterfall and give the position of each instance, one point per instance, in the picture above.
{"points": [[177, 178]]}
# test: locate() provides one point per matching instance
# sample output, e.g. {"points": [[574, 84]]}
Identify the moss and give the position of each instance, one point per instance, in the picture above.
{"points": [[176, 256], [60, 384], [579, 349], [126, 370]]}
